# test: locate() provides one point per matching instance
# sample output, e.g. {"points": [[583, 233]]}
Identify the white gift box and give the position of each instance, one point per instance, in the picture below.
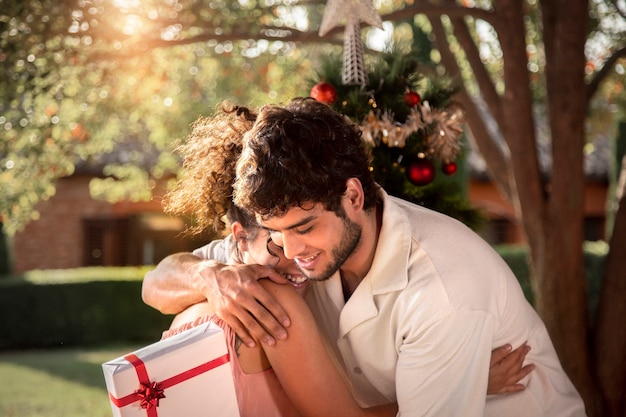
{"points": [[186, 375]]}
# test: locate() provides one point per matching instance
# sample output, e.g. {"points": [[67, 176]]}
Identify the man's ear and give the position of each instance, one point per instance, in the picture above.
{"points": [[240, 235], [354, 194]]}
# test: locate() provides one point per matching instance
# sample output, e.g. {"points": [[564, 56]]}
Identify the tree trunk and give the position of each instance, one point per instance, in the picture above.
{"points": [[610, 332], [562, 299], [549, 201]]}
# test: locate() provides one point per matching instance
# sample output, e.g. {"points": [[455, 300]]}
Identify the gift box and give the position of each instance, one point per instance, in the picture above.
{"points": [[186, 375]]}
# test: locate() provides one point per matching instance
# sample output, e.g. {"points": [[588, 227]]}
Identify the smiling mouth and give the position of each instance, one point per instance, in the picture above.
{"points": [[296, 279], [306, 263]]}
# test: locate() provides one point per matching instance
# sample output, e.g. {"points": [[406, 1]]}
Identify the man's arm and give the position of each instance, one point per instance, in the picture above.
{"points": [[170, 287], [183, 279]]}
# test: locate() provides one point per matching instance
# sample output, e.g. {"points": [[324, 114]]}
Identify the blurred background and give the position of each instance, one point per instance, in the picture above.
{"points": [[95, 95]]}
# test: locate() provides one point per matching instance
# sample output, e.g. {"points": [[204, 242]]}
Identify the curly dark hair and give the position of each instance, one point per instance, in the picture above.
{"points": [[298, 153], [205, 186]]}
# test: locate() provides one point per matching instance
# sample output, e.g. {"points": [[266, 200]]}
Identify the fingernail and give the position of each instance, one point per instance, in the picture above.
{"points": [[287, 323], [507, 348], [282, 335], [269, 341]]}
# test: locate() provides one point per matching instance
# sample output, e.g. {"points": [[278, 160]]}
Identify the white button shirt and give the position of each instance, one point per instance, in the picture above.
{"points": [[420, 327]]}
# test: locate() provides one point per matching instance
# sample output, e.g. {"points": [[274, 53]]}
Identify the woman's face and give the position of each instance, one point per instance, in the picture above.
{"points": [[263, 251]]}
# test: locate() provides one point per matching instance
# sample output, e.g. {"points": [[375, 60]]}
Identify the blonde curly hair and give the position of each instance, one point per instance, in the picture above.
{"points": [[210, 153]]}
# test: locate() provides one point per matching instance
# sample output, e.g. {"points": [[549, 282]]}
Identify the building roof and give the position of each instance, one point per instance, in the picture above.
{"points": [[598, 155]]}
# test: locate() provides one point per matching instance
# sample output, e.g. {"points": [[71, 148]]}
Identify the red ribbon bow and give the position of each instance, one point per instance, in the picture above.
{"points": [[150, 394], [151, 391]]}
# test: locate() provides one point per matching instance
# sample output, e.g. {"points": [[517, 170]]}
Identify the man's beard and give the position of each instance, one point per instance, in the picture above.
{"points": [[349, 242]]}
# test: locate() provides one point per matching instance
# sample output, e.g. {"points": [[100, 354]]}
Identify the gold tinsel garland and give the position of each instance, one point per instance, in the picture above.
{"points": [[440, 128]]}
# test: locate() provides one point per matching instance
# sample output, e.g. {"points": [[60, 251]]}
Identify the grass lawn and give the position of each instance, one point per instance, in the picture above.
{"points": [[56, 383]]}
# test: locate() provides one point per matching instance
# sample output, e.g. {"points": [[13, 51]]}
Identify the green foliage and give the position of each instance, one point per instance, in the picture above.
{"points": [[595, 258], [390, 75], [5, 254], [79, 275], [82, 307], [445, 194], [516, 256], [81, 87], [34, 75]]}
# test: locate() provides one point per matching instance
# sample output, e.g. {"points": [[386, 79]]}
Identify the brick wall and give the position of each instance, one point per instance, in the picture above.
{"points": [[58, 239]]}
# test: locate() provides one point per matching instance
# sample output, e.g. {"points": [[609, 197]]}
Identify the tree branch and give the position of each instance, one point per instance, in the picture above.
{"points": [[485, 84], [436, 11], [482, 134], [604, 72]]}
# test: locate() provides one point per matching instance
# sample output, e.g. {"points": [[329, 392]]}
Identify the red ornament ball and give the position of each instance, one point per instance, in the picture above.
{"points": [[420, 172], [449, 168], [411, 98], [324, 92]]}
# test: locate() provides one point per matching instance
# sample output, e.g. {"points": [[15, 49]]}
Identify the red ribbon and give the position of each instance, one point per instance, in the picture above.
{"points": [[150, 393]]}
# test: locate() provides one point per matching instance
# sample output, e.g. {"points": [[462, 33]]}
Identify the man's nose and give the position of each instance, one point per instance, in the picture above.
{"points": [[291, 244]]}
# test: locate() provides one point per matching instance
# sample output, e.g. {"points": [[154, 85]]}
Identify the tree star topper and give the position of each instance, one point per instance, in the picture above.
{"points": [[354, 72], [336, 10]]}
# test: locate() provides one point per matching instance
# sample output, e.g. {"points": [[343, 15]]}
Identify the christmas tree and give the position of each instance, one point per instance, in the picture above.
{"points": [[413, 126]]}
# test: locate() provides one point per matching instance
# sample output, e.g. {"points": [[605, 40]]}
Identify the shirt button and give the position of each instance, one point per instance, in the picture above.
{"points": [[357, 370]]}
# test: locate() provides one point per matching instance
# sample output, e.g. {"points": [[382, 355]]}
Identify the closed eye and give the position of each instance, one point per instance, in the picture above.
{"points": [[303, 231]]}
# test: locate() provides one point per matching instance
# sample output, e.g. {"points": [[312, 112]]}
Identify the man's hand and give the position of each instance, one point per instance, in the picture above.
{"points": [[238, 299], [506, 370]]}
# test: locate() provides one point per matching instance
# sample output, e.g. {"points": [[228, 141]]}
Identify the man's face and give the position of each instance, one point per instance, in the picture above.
{"points": [[319, 241]]}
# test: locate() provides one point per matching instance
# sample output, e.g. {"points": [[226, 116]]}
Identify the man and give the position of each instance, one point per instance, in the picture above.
{"points": [[414, 300]]}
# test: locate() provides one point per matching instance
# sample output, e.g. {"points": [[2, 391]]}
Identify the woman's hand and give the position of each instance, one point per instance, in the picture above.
{"points": [[507, 369]]}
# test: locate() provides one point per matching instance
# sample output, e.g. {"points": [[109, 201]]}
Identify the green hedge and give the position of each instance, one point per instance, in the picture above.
{"points": [[39, 313], [103, 306], [595, 255], [5, 255]]}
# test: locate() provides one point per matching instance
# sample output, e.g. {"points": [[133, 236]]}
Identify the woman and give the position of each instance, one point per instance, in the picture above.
{"points": [[290, 377]]}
